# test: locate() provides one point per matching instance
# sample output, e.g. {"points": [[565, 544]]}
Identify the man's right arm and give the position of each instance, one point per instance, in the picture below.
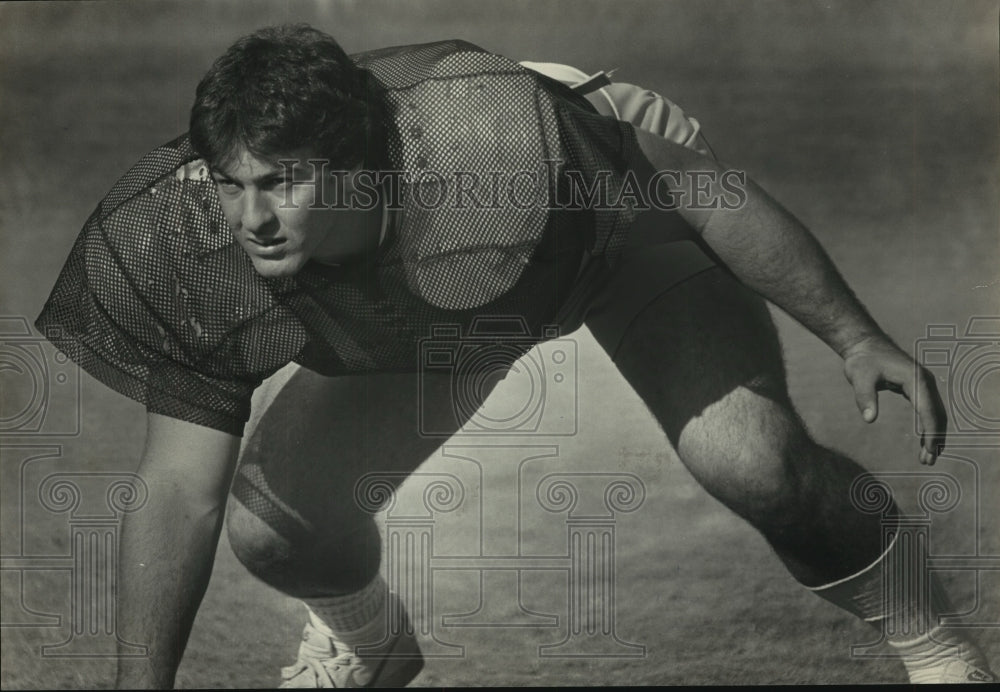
{"points": [[168, 548], [770, 251]]}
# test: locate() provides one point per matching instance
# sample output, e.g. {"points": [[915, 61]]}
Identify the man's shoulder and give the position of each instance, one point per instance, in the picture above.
{"points": [[162, 217], [158, 259], [415, 52], [430, 49], [404, 67]]}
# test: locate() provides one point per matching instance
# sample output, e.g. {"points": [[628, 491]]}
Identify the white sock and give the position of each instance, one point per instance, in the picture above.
{"points": [[353, 619], [910, 623]]}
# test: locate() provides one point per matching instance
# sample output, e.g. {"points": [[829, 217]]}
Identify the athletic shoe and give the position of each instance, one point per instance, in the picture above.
{"points": [[958, 672], [392, 664]]}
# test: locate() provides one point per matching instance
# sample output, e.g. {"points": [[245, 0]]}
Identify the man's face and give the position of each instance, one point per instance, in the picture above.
{"points": [[284, 215]]}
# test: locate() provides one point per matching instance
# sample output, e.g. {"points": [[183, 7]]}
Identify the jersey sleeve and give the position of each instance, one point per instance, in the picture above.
{"points": [[655, 113], [633, 104], [79, 319], [155, 302]]}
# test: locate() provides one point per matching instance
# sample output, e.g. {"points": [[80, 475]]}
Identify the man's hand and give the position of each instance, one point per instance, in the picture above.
{"points": [[876, 364]]}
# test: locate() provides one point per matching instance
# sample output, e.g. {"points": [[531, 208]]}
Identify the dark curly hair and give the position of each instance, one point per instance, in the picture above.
{"points": [[286, 88]]}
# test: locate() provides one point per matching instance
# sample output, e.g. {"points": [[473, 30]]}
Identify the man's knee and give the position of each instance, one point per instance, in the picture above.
{"points": [[256, 544], [304, 562], [753, 455]]}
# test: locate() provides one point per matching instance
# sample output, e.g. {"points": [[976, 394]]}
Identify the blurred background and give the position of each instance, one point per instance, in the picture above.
{"points": [[875, 122]]}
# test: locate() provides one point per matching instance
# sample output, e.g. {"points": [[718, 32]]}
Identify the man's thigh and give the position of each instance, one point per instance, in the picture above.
{"points": [[704, 357], [311, 438]]}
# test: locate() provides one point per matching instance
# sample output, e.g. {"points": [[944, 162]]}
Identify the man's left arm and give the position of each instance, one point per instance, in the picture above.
{"points": [[770, 251]]}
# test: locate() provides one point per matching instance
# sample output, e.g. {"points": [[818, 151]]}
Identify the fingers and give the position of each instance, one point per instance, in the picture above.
{"points": [[932, 416], [865, 384], [870, 375], [922, 393]]}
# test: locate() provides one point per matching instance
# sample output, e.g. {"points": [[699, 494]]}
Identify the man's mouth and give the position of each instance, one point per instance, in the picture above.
{"points": [[272, 248], [266, 242]]}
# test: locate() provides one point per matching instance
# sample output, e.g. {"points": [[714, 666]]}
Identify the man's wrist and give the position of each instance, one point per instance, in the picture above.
{"points": [[863, 341]]}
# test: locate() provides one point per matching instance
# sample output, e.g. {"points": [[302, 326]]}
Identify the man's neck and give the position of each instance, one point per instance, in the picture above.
{"points": [[372, 223]]}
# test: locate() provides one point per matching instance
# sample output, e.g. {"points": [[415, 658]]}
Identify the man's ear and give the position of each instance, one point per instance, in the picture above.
{"points": [[194, 170]]}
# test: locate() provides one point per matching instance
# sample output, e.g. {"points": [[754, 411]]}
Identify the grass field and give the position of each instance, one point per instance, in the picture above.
{"points": [[874, 122]]}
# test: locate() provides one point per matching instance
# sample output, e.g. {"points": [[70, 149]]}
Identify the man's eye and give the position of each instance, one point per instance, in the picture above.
{"points": [[278, 183], [226, 186]]}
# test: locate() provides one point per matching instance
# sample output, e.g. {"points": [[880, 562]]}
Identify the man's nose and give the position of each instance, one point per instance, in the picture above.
{"points": [[257, 212]]}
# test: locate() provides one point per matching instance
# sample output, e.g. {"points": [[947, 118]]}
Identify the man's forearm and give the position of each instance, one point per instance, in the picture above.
{"points": [[774, 254], [167, 551]]}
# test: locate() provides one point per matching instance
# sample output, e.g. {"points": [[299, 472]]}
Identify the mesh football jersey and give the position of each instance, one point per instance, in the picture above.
{"points": [[159, 302]]}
